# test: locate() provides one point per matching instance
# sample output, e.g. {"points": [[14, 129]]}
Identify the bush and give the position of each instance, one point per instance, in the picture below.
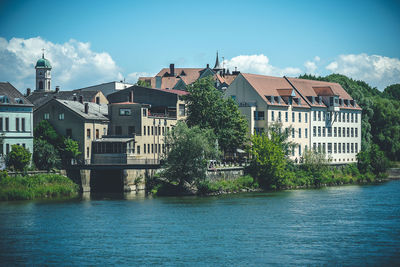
{"points": [[36, 186], [18, 158], [45, 155]]}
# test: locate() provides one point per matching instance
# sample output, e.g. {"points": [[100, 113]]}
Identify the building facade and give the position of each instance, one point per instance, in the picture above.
{"points": [[84, 122], [16, 120], [43, 75], [320, 115]]}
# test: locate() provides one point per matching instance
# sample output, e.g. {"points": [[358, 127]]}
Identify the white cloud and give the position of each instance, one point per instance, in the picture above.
{"points": [[74, 64], [134, 76], [378, 71], [311, 67], [259, 64]]}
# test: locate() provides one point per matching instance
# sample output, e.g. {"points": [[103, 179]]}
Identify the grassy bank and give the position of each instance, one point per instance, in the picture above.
{"points": [[36, 187], [241, 184]]}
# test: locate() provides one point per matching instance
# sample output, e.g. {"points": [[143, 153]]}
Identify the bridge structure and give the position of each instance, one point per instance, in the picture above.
{"points": [[125, 177]]}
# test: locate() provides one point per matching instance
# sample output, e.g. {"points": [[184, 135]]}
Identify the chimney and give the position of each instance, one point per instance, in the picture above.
{"points": [[208, 66], [28, 91], [131, 96], [57, 89], [172, 69], [86, 108], [81, 99]]}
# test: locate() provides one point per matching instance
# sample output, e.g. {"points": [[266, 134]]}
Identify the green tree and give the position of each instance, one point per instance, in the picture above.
{"points": [[280, 136], [45, 131], [392, 91], [209, 110], [143, 83], [45, 156], [189, 149], [314, 162], [379, 162], [19, 157], [268, 164], [71, 151]]}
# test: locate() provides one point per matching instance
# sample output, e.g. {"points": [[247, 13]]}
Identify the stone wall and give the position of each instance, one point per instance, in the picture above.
{"points": [[230, 173]]}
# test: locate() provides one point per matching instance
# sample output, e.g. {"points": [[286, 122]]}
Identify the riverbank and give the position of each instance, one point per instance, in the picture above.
{"points": [[37, 186]]}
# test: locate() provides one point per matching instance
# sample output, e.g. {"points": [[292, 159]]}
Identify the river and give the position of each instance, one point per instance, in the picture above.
{"points": [[348, 225]]}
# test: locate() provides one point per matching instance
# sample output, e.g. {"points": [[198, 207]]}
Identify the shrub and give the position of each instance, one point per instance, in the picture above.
{"points": [[19, 158]]}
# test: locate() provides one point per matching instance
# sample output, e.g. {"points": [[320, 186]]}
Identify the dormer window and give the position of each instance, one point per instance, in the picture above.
{"points": [[4, 99], [18, 100]]}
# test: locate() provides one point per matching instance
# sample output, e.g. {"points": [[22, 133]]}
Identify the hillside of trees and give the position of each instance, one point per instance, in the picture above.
{"points": [[380, 116]]}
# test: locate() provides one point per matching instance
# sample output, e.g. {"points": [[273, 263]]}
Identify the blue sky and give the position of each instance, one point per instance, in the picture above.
{"points": [[98, 41]]}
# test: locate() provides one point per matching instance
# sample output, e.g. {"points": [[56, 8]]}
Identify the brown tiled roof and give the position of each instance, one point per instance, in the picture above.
{"points": [[41, 98]]}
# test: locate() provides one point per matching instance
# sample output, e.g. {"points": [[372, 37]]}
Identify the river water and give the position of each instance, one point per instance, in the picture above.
{"points": [[348, 225]]}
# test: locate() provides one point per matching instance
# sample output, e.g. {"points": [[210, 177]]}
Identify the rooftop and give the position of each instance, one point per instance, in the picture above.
{"points": [[14, 97]]}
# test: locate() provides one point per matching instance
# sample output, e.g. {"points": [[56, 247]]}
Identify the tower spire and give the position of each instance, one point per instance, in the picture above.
{"points": [[217, 66], [43, 52]]}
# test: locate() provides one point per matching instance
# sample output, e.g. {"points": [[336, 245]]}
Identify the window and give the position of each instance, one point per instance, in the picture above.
{"points": [[335, 132], [344, 117], [155, 146], [352, 117], [152, 148], [348, 117], [68, 132], [352, 132], [138, 150], [87, 152], [17, 124], [348, 147], [299, 150], [97, 134], [339, 148], [61, 116], [306, 133], [344, 148], [144, 130], [299, 132], [319, 131], [315, 146], [145, 112], [40, 84], [279, 116], [323, 147], [88, 133], [272, 116], [329, 132], [348, 131], [339, 118], [144, 149], [324, 115], [319, 148], [23, 124], [306, 117], [1, 124], [352, 147], [335, 148], [356, 144], [97, 100], [340, 132], [7, 125], [356, 117], [152, 130], [315, 115], [329, 148], [292, 132], [131, 129], [182, 111], [356, 132], [286, 116], [314, 131], [299, 116], [118, 130], [259, 115], [319, 115], [148, 130], [46, 116], [344, 131], [104, 131], [148, 148], [7, 148], [292, 116], [125, 111]]}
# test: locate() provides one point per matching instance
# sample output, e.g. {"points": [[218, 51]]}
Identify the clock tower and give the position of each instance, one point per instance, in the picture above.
{"points": [[43, 75]]}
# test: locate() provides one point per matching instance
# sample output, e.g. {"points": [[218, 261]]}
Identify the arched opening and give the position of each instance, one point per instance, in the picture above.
{"points": [[41, 85]]}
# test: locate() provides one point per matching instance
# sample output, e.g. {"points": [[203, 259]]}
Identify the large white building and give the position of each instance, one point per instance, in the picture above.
{"points": [[16, 123], [323, 116]]}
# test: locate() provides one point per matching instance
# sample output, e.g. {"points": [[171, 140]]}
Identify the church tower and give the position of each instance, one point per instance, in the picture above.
{"points": [[43, 75]]}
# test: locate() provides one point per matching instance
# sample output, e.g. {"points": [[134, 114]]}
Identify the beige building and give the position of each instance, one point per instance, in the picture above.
{"points": [[322, 115], [81, 121], [147, 114]]}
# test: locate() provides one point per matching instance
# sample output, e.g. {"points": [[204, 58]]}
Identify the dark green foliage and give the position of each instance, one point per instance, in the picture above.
{"points": [[45, 131], [143, 84], [36, 186], [189, 151], [392, 91], [18, 158], [209, 110], [268, 164], [70, 151], [45, 155], [229, 186]]}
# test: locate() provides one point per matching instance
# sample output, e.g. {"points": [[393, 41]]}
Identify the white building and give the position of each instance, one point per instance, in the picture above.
{"points": [[43, 75], [16, 123], [323, 116]]}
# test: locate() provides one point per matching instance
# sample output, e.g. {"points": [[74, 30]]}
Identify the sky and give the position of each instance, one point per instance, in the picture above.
{"points": [[91, 42]]}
